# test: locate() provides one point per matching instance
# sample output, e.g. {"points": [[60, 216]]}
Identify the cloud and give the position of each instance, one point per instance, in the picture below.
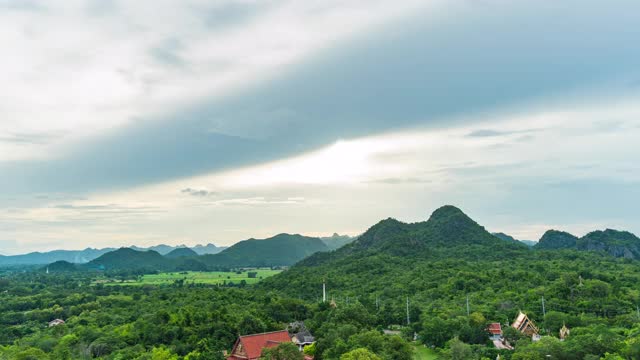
{"points": [[396, 181], [341, 93], [22, 5], [481, 133], [198, 192], [33, 138], [168, 52]]}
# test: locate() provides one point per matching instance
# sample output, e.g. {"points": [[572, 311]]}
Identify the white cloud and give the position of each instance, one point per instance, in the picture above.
{"points": [[76, 68]]}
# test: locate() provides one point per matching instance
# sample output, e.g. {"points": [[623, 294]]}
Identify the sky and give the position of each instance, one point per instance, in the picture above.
{"points": [[187, 122]]}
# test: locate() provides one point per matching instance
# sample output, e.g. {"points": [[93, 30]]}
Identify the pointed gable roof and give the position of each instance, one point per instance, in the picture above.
{"points": [[252, 345], [525, 325], [495, 329]]}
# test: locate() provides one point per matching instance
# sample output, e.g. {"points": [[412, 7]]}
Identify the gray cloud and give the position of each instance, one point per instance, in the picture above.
{"points": [[497, 133], [424, 73], [168, 52], [22, 5], [219, 15], [198, 192]]}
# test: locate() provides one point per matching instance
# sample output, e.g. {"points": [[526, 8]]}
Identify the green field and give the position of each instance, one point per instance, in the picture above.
{"points": [[196, 277], [424, 353]]}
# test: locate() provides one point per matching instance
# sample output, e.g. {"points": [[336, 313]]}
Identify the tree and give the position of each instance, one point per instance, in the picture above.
{"points": [[457, 350], [360, 354], [284, 351]]}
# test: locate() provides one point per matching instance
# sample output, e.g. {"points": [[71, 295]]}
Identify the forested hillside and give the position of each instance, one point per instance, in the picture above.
{"points": [[282, 249], [440, 263], [440, 281]]}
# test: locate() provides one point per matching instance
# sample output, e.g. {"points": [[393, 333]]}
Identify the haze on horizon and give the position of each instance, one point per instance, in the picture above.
{"points": [[217, 122]]}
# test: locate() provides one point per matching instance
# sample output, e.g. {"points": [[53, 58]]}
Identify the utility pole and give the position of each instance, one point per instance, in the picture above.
{"points": [[324, 291], [468, 305], [377, 302], [638, 311], [408, 321], [544, 312]]}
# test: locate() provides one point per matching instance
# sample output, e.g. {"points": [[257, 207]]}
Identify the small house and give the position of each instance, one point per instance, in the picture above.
{"points": [[495, 331], [300, 335], [302, 339]]}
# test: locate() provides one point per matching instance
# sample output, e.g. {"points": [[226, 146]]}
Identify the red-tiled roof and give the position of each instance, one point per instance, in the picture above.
{"points": [[253, 344], [495, 329]]}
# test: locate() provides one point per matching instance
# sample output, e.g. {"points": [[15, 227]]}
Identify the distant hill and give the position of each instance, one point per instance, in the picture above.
{"points": [[510, 238], [280, 250], [161, 249], [126, 258], [181, 252], [41, 258], [621, 244], [88, 254], [60, 266], [337, 241], [207, 249], [529, 242], [554, 239], [616, 243]]}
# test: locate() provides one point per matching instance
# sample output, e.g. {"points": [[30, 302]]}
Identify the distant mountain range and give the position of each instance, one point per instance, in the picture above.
{"points": [[88, 254], [279, 250], [447, 228], [337, 241], [506, 237]]}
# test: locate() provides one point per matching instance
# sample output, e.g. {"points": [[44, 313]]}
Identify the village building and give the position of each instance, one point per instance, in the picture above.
{"points": [[300, 335], [249, 347], [302, 339], [56, 322], [495, 331], [496, 336], [526, 326]]}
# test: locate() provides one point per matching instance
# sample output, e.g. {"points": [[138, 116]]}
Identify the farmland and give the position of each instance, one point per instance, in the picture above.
{"points": [[194, 277]]}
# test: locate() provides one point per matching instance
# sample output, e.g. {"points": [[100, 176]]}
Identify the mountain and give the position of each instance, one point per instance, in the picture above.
{"points": [[280, 250], [127, 258], [554, 239], [207, 249], [510, 238], [337, 241], [181, 252], [41, 258], [161, 249], [60, 266], [620, 244], [88, 254], [392, 252], [615, 243]]}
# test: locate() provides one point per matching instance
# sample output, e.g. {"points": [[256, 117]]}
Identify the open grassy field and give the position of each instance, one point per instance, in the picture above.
{"points": [[424, 353], [212, 278]]}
